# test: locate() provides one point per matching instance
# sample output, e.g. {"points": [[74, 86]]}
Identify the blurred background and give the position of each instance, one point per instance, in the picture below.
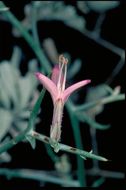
{"points": [[91, 35]]}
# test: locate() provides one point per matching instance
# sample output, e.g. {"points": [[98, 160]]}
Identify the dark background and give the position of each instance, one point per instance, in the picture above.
{"points": [[98, 63]]}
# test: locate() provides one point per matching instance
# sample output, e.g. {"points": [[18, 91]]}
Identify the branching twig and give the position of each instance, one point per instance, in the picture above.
{"points": [[105, 173]]}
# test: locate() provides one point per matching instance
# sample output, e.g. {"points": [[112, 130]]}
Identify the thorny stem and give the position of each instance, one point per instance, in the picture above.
{"points": [[46, 139], [67, 148]]}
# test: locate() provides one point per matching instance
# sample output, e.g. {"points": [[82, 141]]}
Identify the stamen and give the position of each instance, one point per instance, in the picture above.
{"points": [[60, 77], [65, 73], [62, 61], [66, 61]]}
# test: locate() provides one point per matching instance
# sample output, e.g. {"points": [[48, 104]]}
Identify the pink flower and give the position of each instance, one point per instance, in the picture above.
{"points": [[56, 87]]}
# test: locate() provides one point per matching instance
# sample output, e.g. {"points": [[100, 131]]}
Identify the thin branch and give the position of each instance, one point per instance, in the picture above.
{"points": [[117, 50], [97, 29], [115, 71], [106, 100], [105, 173], [34, 25], [38, 176]]}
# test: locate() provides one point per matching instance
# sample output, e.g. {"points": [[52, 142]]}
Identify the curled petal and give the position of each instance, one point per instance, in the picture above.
{"points": [[48, 84], [74, 87]]}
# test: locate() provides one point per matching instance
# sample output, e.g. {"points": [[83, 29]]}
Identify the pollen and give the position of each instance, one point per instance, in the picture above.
{"points": [[62, 59]]}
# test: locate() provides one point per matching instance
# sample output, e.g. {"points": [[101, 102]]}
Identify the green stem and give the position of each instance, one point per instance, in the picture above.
{"points": [[51, 153], [113, 48], [102, 101], [67, 148], [105, 173], [34, 25], [78, 142], [33, 44], [38, 176], [11, 143], [46, 140], [113, 98]]}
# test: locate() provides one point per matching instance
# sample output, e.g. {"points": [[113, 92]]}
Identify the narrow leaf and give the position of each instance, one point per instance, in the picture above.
{"points": [[33, 117]]}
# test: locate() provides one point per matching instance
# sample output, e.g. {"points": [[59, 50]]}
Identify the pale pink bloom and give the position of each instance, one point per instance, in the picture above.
{"points": [[56, 87]]}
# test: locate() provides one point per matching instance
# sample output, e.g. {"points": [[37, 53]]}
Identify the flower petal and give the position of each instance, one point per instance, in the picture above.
{"points": [[48, 84], [55, 74], [74, 87]]}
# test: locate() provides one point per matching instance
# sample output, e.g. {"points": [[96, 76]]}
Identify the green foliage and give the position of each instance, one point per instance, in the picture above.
{"points": [[12, 86]]}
